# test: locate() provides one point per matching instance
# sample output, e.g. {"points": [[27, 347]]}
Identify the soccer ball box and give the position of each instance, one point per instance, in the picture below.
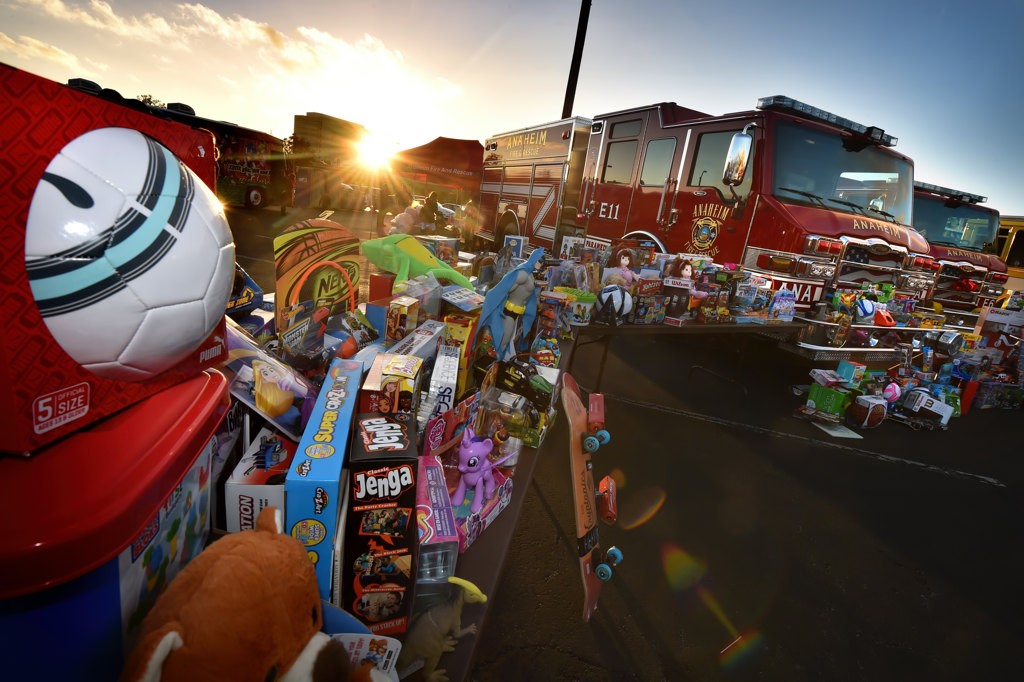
{"points": [[117, 258]]}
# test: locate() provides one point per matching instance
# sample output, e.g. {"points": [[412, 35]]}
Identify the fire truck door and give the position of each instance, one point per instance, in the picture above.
{"points": [[615, 175], [656, 186], [709, 217]]}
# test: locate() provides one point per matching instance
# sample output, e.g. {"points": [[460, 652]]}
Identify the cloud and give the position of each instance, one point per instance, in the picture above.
{"points": [[29, 48], [99, 15], [305, 67]]}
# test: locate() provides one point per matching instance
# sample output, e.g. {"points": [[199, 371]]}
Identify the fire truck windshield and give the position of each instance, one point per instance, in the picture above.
{"points": [[824, 169], [963, 227]]}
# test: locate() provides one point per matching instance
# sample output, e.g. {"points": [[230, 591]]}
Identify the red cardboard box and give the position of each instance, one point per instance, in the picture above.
{"points": [[46, 393]]}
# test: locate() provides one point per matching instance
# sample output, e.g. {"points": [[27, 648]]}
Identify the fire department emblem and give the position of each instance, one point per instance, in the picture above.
{"points": [[705, 231]]}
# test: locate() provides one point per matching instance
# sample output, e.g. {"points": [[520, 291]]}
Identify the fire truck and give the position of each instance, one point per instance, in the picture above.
{"points": [[962, 235], [531, 181], [810, 199], [252, 167], [1010, 246]]}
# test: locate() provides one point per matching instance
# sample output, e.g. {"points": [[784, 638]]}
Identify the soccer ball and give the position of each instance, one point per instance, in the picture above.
{"points": [[865, 311], [892, 392], [129, 255], [614, 302]]}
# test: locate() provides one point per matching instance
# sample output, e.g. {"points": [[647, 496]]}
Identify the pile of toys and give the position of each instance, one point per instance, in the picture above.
{"points": [[388, 433], [626, 281], [941, 374]]}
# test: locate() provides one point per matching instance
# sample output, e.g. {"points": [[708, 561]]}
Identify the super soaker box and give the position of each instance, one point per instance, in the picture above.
{"points": [[97, 525], [118, 259], [378, 567], [312, 487]]}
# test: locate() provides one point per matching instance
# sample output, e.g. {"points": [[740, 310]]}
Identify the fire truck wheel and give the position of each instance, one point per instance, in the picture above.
{"points": [[254, 197], [506, 226]]}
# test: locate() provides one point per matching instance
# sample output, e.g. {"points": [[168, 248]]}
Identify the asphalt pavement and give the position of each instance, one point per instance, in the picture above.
{"points": [[759, 547], [756, 545]]}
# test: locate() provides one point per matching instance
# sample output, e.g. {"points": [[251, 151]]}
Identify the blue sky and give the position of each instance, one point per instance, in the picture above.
{"points": [[943, 77]]}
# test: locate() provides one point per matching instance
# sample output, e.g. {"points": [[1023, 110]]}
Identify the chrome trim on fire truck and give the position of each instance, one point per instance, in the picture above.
{"points": [[646, 235]]}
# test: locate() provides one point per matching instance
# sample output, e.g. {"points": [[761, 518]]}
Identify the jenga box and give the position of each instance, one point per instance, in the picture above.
{"points": [[377, 570], [65, 357], [313, 483]]}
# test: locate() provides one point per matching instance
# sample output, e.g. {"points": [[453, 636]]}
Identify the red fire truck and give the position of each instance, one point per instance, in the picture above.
{"points": [[962, 235], [532, 179], [811, 199]]}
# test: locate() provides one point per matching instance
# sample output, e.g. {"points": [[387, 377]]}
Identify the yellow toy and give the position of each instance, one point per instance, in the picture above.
{"points": [[438, 629]]}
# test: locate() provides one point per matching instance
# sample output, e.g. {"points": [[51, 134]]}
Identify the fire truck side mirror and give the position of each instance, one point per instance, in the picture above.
{"points": [[736, 159]]}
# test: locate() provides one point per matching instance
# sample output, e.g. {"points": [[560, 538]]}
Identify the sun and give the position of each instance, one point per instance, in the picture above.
{"points": [[375, 153]]}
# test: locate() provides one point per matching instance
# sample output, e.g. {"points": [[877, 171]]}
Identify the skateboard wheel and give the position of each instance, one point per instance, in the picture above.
{"points": [[591, 443], [604, 437], [613, 556], [603, 572]]}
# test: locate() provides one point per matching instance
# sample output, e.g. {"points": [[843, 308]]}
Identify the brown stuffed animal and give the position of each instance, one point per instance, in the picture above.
{"points": [[246, 608]]}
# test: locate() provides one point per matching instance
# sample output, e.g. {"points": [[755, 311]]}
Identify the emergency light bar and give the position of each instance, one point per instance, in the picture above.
{"points": [[965, 197], [806, 110]]}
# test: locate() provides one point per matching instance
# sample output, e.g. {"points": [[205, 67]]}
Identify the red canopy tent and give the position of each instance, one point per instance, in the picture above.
{"points": [[443, 161]]}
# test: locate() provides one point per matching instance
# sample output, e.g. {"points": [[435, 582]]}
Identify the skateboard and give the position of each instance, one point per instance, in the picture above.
{"points": [[592, 503]]}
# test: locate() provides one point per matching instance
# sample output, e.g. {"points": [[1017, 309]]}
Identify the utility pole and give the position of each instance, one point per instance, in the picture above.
{"points": [[577, 57]]}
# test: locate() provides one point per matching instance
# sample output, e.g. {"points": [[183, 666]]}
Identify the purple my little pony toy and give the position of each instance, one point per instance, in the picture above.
{"points": [[477, 470]]}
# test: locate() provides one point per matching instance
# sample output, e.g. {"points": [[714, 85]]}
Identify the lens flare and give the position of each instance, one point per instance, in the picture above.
{"points": [[640, 507], [741, 650], [682, 570]]}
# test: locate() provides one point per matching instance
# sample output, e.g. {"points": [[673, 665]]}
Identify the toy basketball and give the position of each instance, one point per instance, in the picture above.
{"points": [[892, 392], [866, 412]]}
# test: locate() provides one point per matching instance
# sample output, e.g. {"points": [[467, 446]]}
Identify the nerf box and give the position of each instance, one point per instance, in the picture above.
{"points": [[53, 328], [257, 480], [392, 384], [435, 521], [313, 481], [377, 567]]}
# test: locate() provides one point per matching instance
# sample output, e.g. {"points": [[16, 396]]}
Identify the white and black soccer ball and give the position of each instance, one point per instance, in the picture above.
{"points": [[129, 254], [614, 302]]}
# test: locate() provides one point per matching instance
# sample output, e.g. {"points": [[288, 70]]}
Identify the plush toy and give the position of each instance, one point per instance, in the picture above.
{"points": [[246, 608]]}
